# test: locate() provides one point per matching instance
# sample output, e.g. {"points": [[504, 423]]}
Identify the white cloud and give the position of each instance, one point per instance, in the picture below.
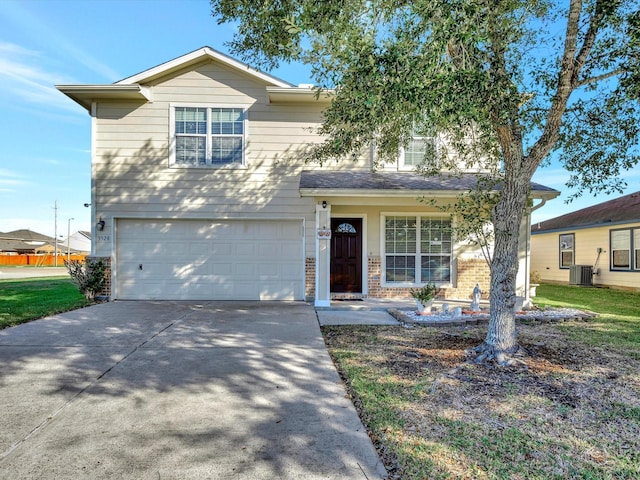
{"points": [[12, 182], [23, 80], [19, 14]]}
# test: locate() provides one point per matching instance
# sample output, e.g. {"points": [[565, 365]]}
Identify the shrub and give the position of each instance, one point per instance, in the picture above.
{"points": [[88, 276], [424, 294]]}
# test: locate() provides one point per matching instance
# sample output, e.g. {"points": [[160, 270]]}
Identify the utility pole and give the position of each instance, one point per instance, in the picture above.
{"points": [[55, 234]]}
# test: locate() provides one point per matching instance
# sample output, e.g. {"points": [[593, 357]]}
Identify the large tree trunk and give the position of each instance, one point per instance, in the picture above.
{"points": [[501, 341]]}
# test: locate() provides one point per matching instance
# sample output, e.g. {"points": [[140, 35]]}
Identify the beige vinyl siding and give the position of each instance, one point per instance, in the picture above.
{"points": [[545, 256], [133, 178]]}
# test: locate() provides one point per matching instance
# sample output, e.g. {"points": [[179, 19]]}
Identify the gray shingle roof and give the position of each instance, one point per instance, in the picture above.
{"points": [[393, 181], [624, 209]]}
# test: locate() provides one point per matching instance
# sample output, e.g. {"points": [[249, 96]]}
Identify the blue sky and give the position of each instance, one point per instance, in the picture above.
{"points": [[45, 137]]}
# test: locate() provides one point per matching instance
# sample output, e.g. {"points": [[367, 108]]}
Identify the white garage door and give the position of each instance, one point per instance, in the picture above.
{"points": [[209, 260]]}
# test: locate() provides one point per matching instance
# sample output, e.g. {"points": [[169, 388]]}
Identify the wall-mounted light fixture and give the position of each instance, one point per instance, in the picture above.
{"points": [[87, 205], [324, 204], [100, 224]]}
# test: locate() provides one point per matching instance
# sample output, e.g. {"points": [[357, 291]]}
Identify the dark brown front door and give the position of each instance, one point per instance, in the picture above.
{"points": [[346, 255]]}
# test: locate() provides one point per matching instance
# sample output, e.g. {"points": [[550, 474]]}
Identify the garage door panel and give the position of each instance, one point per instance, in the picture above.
{"points": [[184, 260]]}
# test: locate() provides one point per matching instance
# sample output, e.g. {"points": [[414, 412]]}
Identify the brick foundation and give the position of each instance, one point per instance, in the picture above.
{"points": [[469, 272], [310, 278], [106, 291]]}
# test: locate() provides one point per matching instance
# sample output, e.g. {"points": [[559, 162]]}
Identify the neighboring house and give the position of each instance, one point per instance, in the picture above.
{"points": [[604, 238], [199, 191], [77, 243], [25, 242]]}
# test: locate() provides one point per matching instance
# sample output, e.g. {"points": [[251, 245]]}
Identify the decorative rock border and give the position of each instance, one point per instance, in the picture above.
{"points": [[547, 315]]}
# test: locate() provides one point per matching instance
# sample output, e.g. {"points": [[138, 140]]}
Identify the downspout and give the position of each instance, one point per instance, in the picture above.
{"points": [[527, 276]]}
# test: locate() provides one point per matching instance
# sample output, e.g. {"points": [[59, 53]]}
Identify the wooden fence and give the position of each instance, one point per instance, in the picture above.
{"points": [[41, 260]]}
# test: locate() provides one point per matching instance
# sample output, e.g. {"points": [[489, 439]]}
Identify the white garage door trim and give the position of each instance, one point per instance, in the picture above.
{"points": [[195, 259]]}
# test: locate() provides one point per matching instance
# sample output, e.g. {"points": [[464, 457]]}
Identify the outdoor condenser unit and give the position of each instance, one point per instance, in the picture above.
{"points": [[581, 275]]}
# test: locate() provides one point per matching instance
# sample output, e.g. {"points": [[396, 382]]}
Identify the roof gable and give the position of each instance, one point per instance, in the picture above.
{"points": [[196, 57], [619, 210]]}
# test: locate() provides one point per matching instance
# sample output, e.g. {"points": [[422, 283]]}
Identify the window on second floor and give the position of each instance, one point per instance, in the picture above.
{"points": [[567, 253], [625, 249], [418, 149], [208, 136]]}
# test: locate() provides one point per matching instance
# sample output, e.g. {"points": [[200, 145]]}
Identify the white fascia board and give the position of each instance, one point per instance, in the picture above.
{"points": [[85, 95], [195, 57], [318, 192], [298, 95]]}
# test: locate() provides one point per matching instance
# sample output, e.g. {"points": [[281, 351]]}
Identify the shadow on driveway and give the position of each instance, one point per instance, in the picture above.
{"points": [[177, 390]]}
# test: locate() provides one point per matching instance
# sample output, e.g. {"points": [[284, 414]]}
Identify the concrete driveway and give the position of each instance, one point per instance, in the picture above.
{"points": [[176, 390]]}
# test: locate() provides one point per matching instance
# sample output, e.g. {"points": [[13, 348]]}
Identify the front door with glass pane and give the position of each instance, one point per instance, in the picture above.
{"points": [[346, 255]]}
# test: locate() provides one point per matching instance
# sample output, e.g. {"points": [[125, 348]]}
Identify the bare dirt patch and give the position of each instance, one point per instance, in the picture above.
{"points": [[569, 411]]}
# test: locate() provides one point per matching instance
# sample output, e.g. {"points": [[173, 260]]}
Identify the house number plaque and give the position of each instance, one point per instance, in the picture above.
{"points": [[324, 233]]}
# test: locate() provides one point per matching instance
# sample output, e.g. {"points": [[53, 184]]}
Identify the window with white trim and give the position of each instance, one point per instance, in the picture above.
{"points": [[208, 136], [417, 249], [419, 149], [624, 245]]}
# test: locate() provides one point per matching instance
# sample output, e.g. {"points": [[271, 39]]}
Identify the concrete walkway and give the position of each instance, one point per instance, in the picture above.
{"points": [[172, 390]]}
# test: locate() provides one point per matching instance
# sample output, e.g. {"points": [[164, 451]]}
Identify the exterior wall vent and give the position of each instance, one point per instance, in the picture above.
{"points": [[581, 275]]}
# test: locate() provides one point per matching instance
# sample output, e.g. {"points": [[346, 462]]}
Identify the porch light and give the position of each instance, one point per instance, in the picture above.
{"points": [[100, 224]]}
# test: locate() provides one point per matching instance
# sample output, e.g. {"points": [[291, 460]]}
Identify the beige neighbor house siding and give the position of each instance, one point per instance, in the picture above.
{"points": [[545, 260], [133, 177]]}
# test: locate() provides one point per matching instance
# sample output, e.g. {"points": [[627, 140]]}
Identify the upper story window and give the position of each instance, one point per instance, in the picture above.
{"points": [[419, 148], [625, 249], [567, 256], [208, 136]]}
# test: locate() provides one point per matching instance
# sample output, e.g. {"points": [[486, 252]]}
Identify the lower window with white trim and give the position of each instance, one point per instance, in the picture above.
{"points": [[417, 249]]}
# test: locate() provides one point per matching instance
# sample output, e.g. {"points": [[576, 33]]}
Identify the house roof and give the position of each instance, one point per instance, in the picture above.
{"points": [[23, 241], [26, 235], [624, 209], [399, 184], [133, 87]]}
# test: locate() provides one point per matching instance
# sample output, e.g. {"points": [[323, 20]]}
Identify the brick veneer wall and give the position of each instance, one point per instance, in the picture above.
{"points": [[106, 291], [310, 278], [469, 272], [376, 290]]}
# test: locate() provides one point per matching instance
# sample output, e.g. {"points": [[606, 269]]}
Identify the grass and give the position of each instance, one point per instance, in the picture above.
{"points": [[25, 300], [618, 324], [572, 410]]}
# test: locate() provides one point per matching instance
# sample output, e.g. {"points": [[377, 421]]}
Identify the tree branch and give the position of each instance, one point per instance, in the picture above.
{"points": [[604, 76], [568, 79]]}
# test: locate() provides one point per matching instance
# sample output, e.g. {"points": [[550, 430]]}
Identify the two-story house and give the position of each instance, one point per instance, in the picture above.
{"points": [[199, 192]]}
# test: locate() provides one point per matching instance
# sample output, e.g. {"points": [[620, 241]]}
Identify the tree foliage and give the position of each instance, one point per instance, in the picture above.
{"points": [[507, 82]]}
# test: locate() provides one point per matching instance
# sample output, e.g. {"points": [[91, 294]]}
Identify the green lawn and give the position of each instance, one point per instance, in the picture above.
{"points": [[25, 300], [618, 324]]}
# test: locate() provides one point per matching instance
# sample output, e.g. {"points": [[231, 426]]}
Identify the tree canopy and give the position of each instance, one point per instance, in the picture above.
{"points": [[505, 80]]}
